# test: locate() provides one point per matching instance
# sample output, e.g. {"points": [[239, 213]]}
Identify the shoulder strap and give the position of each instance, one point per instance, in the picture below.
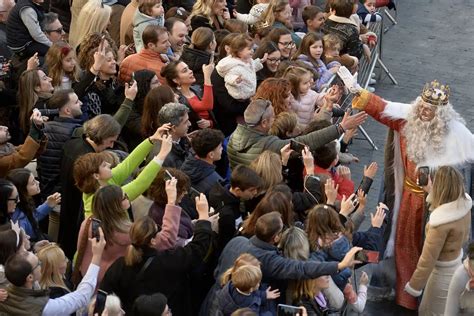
{"points": [[145, 266]]}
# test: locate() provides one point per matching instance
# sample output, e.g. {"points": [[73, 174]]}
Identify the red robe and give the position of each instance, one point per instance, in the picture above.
{"points": [[410, 217]]}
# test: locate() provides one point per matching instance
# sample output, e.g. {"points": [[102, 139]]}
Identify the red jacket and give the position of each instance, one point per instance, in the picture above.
{"points": [[145, 59], [346, 186]]}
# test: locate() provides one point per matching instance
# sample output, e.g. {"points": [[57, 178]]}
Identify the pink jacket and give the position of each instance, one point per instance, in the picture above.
{"points": [[306, 105], [166, 240]]}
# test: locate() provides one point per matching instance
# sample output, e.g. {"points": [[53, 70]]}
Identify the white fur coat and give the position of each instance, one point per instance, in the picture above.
{"points": [[232, 68]]}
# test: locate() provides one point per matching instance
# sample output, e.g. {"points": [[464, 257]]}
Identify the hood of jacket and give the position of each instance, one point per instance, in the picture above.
{"points": [[195, 58], [450, 212], [227, 303], [228, 63], [197, 169], [140, 18]]}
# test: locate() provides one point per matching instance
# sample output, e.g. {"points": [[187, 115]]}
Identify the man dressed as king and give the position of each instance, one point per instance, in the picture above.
{"points": [[427, 132]]}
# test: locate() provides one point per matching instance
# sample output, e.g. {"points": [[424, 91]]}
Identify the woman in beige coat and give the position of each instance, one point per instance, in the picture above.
{"points": [[447, 231]]}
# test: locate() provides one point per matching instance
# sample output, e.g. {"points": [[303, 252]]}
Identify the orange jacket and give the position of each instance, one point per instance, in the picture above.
{"points": [[145, 59]]}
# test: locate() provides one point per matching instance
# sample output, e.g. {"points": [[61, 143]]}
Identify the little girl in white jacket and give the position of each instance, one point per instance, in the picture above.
{"points": [[239, 69]]}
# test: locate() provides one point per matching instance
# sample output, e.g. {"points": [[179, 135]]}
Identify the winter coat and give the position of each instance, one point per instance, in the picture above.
{"points": [[306, 106], [228, 207], [203, 21], [348, 33], [298, 6], [247, 143], [230, 300], [227, 110], [447, 230], [168, 273], [324, 74], [366, 17], [460, 299], [23, 301], [176, 157], [232, 68], [58, 131], [140, 22], [195, 58], [126, 23], [21, 155], [203, 175], [31, 229], [144, 59], [184, 229]]}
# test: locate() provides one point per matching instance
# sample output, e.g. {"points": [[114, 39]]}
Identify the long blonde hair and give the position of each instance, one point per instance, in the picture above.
{"points": [[268, 167], [27, 96], [94, 17], [268, 17], [448, 186], [203, 8], [51, 256]]}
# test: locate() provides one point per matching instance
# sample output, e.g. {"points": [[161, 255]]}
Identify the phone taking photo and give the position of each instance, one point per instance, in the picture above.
{"points": [[288, 310], [100, 299], [297, 146], [95, 228], [367, 256], [423, 176]]}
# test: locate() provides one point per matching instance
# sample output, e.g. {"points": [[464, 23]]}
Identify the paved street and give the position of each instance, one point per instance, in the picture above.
{"points": [[433, 40]]}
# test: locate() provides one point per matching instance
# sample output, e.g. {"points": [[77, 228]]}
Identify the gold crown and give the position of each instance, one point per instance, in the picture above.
{"points": [[435, 93]]}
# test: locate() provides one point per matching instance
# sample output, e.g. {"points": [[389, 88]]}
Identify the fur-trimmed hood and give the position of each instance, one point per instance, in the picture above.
{"points": [[450, 212]]}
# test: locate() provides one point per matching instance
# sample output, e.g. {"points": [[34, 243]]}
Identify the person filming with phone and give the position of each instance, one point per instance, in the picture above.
{"points": [[446, 232]]}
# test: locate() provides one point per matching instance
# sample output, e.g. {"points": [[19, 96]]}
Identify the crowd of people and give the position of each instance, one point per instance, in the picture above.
{"points": [[193, 157]]}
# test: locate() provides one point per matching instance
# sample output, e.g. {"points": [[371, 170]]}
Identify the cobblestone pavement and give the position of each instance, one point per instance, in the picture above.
{"points": [[433, 40]]}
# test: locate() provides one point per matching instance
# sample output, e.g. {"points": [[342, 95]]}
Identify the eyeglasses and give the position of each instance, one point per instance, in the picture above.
{"points": [[287, 44], [274, 60], [125, 197], [60, 30], [16, 200]]}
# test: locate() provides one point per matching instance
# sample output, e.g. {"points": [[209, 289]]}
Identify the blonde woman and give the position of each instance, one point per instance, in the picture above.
{"points": [[446, 232], [209, 13], [268, 166], [53, 269], [94, 17], [278, 16]]}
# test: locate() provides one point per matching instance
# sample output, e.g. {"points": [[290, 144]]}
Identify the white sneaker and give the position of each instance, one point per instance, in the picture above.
{"points": [[373, 75], [372, 81], [371, 89]]}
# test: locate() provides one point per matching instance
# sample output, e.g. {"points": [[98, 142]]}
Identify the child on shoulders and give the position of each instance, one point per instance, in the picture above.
{"points": [[149, 12]]}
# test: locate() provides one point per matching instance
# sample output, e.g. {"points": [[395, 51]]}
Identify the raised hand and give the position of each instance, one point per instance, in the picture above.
{"points": [[344, 172], [371, 170], [202, 206], [160, 131], [285, 153], [171, 191], [99, 57], [377, 219], [352, 121], [308, 160], [131, 91], [166, 145], [272, 294], [347, 205], [33, 62], [348, 260], [362, 197], [54, 199], [330, 189]]}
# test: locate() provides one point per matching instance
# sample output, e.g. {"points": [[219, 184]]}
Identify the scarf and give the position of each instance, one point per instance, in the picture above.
{"points": [[321, 300], [6, 149]]}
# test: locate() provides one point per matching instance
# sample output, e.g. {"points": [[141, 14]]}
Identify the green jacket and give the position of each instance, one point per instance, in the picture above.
{"points": [[123, 170], [246, 143], [23, 301]]}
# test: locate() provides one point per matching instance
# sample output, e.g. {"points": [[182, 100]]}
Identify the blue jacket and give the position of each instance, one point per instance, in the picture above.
{"points": [[203, 175], [230, 300], [41, 212], [324, 74]]}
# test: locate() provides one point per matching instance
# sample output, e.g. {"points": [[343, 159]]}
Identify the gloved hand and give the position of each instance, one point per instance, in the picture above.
{"points": [[350, 81]]}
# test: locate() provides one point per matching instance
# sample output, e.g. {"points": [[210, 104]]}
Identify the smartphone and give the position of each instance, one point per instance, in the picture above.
{"points": [[132, 80], [100, 299], [423, 176], [355, 201], [288, 310], [367, 256], [193, 192], [168, 175], [297, 146], [95, 229]]}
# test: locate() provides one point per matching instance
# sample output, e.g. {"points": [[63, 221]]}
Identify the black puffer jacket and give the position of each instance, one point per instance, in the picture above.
{"points": [[58, 131], [195, 58]]}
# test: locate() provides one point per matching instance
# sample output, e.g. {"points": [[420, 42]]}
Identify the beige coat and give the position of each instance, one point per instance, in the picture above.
{"points": [[447, 231]]}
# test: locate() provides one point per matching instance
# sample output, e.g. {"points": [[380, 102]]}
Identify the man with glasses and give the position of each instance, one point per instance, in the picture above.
{"points": [[249, 140], [23, 271], [12, 157], [52, 28]]}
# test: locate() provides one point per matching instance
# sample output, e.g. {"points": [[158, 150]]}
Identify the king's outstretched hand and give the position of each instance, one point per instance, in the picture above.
{"points": [[350, 81]]}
